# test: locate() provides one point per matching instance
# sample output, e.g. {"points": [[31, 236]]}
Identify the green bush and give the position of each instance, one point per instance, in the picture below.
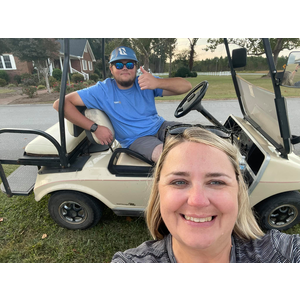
{"points": [[94, 77], [4, 75], [57, 74], [29, 79], [183, 72], [52, 81], [29, 91], [17, 79], [2, 82], [194, 74], [11, 85], [77, 77], [41, 87]]}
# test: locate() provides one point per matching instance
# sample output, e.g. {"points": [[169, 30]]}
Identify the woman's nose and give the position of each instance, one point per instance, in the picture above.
{"points": [[197, 196]]}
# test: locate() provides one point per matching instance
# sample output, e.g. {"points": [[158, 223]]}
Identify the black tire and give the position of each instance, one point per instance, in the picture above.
{"points": [[281, 211], [74, 210]]}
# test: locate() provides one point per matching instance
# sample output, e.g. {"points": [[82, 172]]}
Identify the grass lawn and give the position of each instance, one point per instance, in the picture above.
{"points": [[221, 87], [5, 91], [26, 222]]}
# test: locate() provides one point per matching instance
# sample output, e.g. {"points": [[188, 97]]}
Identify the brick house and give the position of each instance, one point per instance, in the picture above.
{"points": [[13, 66], [82, 58]]}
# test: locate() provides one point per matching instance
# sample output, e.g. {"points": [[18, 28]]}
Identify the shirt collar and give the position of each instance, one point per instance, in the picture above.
{"points": [[232, 258]]}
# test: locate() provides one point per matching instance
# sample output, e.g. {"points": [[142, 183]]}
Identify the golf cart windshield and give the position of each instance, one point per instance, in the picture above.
{"points": [[259, 106], [260, 97]]}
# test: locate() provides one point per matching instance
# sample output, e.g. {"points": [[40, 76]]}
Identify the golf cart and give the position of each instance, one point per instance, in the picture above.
{"points": [[82, 176]]}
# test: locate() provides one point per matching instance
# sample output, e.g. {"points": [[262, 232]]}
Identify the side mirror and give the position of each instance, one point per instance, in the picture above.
{"points": [[239, 58], [291, 75]]}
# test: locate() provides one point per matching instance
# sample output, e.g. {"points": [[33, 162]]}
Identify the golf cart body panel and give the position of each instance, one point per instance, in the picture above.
{"points": [[95, 180], [79, 173], [267, 173]]}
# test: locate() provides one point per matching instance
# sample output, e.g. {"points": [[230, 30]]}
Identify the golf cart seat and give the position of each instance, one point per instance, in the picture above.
{"points": [[40, 146], [123, 161], [75, 135]]}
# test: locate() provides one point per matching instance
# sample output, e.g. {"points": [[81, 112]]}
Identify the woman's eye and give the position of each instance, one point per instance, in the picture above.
{"points": [[178, 182], [216, 182]]}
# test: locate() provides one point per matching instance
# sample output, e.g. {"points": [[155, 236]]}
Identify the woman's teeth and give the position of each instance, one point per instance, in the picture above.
{"points": [[198, 220]]}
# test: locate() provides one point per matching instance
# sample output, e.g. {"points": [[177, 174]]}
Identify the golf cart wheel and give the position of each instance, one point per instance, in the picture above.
{"points": [[281, 211], [74, 210]]}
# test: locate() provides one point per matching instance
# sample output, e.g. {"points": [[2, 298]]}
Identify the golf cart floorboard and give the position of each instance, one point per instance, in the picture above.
{"points": [[22, 180]]}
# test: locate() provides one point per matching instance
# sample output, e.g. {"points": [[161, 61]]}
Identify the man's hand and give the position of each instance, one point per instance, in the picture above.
{"points": [[170, 86], [147, 81], [104, 135]]}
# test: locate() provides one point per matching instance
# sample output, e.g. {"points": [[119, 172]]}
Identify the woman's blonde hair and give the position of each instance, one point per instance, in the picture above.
{"points": [[245, 227]]}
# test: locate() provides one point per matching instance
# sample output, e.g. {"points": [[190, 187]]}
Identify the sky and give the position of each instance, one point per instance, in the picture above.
{"points": [[183, 43]]}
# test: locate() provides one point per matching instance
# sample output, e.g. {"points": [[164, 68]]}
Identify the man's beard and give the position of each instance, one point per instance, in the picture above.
{"points": [[127, 83]]}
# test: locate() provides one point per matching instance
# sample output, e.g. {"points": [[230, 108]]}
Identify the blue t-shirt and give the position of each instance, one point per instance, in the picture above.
{"points": [[132, 112]]}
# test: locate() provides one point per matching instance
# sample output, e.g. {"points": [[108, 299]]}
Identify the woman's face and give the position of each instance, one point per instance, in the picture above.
{"points": [[198, 197]]}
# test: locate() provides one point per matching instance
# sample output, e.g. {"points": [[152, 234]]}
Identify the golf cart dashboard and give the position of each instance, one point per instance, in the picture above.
{"points": [[254, 156]]}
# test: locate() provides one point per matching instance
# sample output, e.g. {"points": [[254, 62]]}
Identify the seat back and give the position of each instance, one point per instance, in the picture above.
{"points": [[73, 129], [101, 119]]}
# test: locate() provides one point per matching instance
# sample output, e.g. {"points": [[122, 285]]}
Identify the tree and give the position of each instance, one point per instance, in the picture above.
{"points": [[254, 46], [4, 46], [38, 50], [192, 53], [170, 49], [143, 46]]}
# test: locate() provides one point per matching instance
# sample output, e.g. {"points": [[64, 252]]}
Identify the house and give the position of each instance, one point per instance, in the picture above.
{"points": [[81, 58], [13, 66]]}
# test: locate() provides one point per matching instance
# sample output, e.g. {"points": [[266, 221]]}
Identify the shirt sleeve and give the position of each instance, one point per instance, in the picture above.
{"points": [[288, 245], [92, 96], [158, 92]]}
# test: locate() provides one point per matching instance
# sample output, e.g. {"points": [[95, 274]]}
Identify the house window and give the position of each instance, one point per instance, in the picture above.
{"points": [[84, 66], [90, 65], [7, 62]]}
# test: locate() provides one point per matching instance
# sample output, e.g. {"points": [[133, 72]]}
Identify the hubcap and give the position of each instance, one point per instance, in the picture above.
{"points": [[283, 215], [72, 212]]}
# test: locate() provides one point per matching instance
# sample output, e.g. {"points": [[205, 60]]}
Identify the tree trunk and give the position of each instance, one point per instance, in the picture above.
{"points": [[277, 49], [47, 81], [191, 60], [170, 66], [146, 62]]}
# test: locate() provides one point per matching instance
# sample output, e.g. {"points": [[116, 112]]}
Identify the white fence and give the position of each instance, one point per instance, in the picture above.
{"points": [[224, 73]]}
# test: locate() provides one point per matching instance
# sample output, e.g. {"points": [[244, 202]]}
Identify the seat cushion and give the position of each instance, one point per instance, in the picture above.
{"points": [[42, 146]]}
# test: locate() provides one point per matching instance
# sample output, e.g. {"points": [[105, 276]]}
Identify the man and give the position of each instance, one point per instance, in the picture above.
{"points": [[129, 103]]}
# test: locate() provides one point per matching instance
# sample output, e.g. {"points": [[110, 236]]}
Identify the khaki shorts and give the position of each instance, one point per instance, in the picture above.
{"points": [[146, 144]]}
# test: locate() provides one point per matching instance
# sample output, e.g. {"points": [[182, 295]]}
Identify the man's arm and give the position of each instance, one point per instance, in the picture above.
{"points": [[170, 86], [76, 117]]}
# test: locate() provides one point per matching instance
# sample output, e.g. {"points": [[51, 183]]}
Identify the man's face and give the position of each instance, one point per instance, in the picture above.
{"points": [[124, 77]]}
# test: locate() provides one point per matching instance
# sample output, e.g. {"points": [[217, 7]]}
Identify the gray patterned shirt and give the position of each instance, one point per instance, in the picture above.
{"points": [[274, 247]]}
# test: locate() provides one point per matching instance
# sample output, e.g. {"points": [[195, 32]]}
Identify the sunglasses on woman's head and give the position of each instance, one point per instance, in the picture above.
{"points": [[177, 130], [119, 65]]}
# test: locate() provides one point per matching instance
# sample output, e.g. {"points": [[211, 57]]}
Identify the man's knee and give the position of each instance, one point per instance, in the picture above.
{"points": [[157, 152]]}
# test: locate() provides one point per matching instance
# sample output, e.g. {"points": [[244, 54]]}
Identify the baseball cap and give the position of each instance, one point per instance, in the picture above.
{"points": [[122, 53]]}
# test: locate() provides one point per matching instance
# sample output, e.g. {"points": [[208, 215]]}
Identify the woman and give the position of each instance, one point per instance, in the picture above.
{"points": [[199, 209]]}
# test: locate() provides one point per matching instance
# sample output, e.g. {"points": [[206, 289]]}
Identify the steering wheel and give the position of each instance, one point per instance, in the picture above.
{"points": [[192, 99]]}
